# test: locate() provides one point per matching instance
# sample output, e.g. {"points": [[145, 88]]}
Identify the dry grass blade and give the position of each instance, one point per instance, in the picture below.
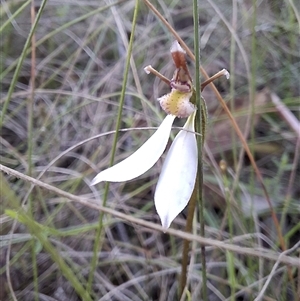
{"points": [[267, 254], [286, 114], [59, 121]]}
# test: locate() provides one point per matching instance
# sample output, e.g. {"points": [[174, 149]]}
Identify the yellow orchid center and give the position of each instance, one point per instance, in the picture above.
{"points": [[177, 103]]}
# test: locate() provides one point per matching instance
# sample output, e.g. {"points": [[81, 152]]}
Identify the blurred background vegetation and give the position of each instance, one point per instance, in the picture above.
{"points": [[69, 90]]}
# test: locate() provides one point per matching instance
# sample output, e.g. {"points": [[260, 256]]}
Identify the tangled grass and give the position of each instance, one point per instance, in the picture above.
{"points": [[59, 103]]}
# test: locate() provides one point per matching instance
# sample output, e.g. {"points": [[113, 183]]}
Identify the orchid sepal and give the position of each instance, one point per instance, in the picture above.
{"points": [[178, 176], [142, 159]]}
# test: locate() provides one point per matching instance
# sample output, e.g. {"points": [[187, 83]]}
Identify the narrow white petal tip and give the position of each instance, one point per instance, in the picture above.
{"points": [[146, 69], [96, 180], [226, 73], [142, 159], [165, 224], [176, 47], [103, 176], [166, 221]]}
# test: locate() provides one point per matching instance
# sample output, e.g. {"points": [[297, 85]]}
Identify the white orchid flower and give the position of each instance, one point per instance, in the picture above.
{"points": [[178, 176]]}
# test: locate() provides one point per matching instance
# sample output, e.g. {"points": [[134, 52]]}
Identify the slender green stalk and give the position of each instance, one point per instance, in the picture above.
{"points": [[253, 89], [20, 61], [288, 196], [14, 15], [30, 142], [186, 243], [229, 255], [99, 232], [253, 67], [199, 129], [232, 78]]}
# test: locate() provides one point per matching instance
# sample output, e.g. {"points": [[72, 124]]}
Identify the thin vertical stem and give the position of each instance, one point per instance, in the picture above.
{"points": [[99, 232], [253, 88], [186, 243], [252, 91], [30, 100], [229, 255], [30, 143], [232, 77], [194, 197], [199, 129]]}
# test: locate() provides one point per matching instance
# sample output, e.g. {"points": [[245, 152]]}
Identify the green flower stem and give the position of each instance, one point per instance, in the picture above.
{"points": [[186, 243], [229, 255], [30, 145], [200, 128], [232, 78], [99, 233]]}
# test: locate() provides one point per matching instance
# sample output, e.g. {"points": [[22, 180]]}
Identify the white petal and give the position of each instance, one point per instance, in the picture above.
{"points": [[177, 179], [142, 159]]}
